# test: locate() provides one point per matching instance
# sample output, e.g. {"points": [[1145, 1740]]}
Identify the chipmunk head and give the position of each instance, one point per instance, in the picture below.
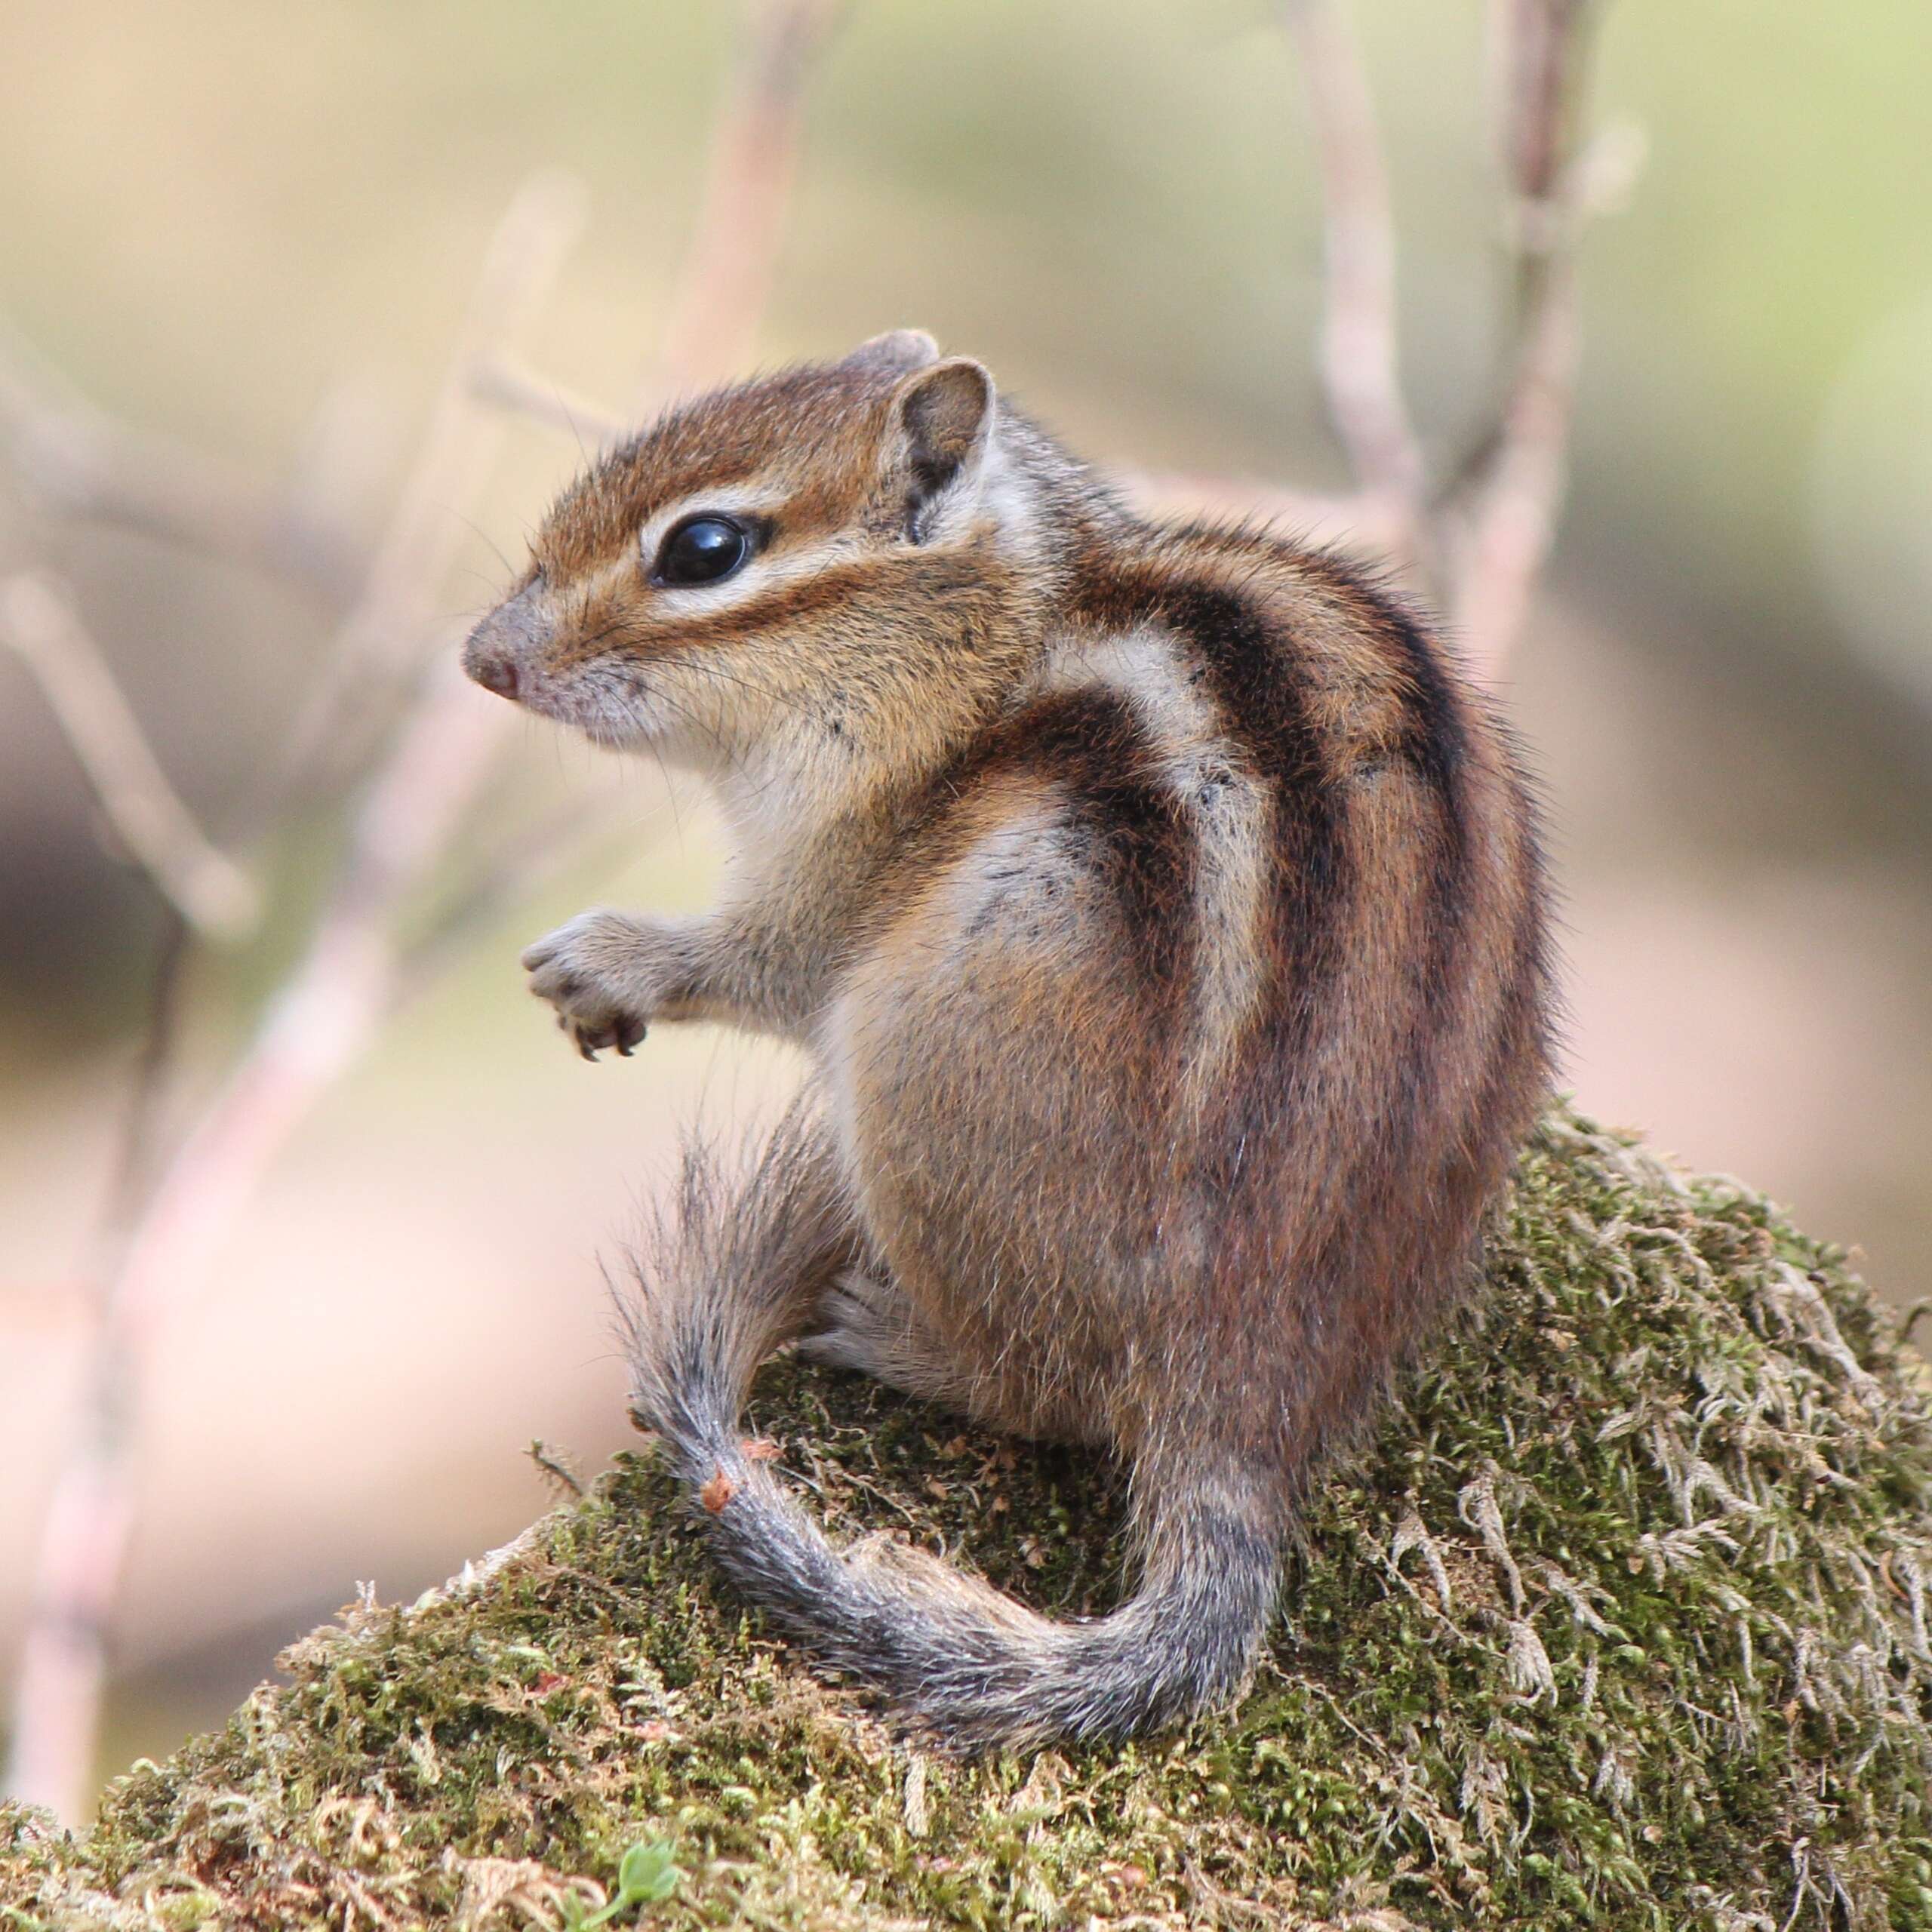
{"points": [[845, 552]]}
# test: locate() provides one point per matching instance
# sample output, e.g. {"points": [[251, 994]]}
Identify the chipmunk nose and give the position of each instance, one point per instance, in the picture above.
{"points": [[501, 648], [494, 671], [490, 655]]}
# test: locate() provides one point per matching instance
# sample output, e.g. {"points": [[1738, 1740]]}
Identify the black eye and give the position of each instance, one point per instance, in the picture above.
{"points": [[702, 549]]}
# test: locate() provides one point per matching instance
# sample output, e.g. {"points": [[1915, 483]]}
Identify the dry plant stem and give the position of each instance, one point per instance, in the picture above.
{"points": [[37, 620], [507, 384], [1360, 351], [64, 1664], [1535, 50], [325, 1011], [1500, 519], [140, 1134], [741, 215], [375, 648], [312, 1029], [334, 999], [1504, 537], [346, 982], [77, 458]]}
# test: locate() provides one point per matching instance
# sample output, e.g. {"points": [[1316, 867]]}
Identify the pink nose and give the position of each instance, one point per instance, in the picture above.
{"points": [[496, 673]]}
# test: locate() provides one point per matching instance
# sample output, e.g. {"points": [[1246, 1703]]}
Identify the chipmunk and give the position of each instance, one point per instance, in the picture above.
{"points": [[1162, 914]]}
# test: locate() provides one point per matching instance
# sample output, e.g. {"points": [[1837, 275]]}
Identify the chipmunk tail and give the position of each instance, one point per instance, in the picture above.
{"points": [[729, 1279]]}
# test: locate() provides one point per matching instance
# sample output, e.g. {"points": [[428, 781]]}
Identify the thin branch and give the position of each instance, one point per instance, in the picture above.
{"points": [[1504, 538], [346, 982], [374, 649], [727, 273], [39, 624], [324, 1014], [75, 457], [131, 1182], [504, 383], [63, 1673], [1360, 364], [1535, 50], [508, 881], [1499, 519], [310, 1033]]}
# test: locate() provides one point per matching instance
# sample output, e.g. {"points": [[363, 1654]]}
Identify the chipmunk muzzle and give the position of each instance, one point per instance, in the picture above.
{"points": [[500, 652]]}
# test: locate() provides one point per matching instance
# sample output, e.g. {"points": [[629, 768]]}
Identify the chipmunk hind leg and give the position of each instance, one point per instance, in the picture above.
{"points": [[866, 1325]]}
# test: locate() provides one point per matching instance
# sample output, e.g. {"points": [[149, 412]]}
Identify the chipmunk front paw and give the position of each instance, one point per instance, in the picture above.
{"points": [[608, 975]]}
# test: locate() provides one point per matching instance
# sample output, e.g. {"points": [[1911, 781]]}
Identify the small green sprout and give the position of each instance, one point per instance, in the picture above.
{"points": [[645, 1876]]}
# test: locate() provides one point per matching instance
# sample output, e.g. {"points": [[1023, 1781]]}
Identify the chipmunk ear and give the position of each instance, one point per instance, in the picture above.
{"points": [[897, 351], [942, 428]]}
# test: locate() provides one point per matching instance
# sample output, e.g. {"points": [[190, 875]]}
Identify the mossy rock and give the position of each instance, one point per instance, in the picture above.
{"points": [[1618, 1620]]}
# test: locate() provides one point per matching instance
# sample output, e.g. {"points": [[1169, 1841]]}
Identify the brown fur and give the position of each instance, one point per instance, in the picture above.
{"points": [[1163, 913]]}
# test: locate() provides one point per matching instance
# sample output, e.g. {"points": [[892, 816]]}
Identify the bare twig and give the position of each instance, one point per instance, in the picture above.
{"points": [[396, 609], [505, 382], [63, 1664], [741, 214], [555, 1466], [1499, 518], [1535, 55], [38, 621], [1502, 537], [1361, 360], [1482, 543], [78, 459], [311, 1032], [141, 1131], [314, 1027], [348, 978], [324, 1014], [559, 842]]}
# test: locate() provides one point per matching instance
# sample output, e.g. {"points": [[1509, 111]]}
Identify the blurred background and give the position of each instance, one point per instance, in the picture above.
{"points": [[255, 233]]}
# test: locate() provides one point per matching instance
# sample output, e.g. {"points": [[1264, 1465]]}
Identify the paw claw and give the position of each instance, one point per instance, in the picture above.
{"points": [[585, 970]]}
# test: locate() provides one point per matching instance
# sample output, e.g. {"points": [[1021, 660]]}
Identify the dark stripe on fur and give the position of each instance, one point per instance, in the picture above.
{"points": [[1435, 746], [1367, 1262], [1090, 747]]}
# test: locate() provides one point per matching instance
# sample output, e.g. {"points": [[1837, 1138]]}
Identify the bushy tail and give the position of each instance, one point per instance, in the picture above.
{"points": [[737, 1272]]}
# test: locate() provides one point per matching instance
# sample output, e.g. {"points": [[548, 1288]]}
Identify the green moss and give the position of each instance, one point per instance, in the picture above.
{"points": [[1617, 1619]]}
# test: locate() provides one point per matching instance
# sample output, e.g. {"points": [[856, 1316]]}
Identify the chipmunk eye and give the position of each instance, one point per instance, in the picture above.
{"points": [[702, 549]]}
